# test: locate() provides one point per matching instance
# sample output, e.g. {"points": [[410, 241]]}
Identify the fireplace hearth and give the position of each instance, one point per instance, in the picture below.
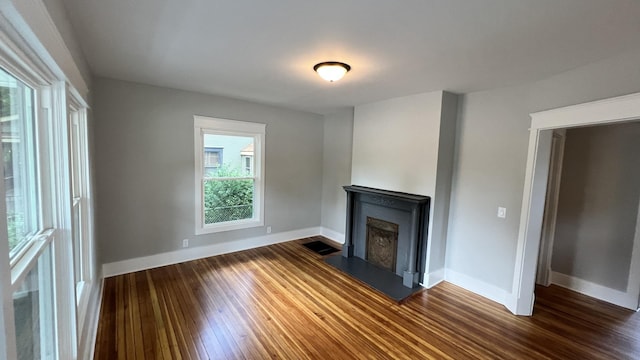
{"points": [[385, 239]]}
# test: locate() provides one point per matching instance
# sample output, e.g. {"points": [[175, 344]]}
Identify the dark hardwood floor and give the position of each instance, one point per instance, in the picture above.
{"points": [[283, 302]]}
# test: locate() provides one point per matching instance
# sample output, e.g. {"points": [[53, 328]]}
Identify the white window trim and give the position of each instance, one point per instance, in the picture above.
{"points": [[62, 205], [78, 112], [203, 125]]}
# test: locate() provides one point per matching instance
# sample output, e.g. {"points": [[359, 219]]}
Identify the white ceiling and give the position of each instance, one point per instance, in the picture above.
{"points": [[264, 50]]}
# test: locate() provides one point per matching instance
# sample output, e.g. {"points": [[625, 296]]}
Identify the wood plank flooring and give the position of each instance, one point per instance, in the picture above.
{"points": [[283, 302]]}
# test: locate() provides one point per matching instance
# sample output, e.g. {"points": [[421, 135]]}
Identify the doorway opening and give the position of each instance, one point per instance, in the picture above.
{"points": [[590, 215], [610, 111]]}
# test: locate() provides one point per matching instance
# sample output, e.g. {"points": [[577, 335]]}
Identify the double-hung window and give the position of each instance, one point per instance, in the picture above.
{"points": [[229, 188], [80, 205], [30, 251], [46, 213]]}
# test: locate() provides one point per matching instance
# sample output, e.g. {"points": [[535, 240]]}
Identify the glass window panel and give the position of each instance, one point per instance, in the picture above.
{"points": [[76, 177], [224, 155], [33, 311], [226, 197], [75, 155], [19, 159], [228, 200], [77, 242]]}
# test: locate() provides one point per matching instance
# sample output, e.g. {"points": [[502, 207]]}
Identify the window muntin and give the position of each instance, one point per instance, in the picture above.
{"points": [[229, 195], [19, 160]]}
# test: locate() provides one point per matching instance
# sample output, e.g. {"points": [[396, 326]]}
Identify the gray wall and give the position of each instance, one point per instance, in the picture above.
{"points": [[58, 14], [336, 168], [442, 196], [407, 144], [492, 140], [395, 143], [598, 204], [145, 167]]}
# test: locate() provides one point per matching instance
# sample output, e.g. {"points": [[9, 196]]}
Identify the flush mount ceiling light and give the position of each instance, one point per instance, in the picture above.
{"points": [[331, 70]]}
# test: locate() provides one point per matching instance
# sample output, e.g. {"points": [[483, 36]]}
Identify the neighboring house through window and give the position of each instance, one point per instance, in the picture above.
{"points": [[247, 158], [229, 189], [212, 159]]}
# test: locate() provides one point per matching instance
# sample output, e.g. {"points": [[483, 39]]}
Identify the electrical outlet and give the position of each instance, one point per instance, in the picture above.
{"points": [[502, 212], [268, 229], [185, 243]]}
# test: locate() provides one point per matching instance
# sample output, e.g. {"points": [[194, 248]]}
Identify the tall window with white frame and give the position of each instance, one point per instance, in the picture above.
{"points": [[79, 161], [229, 158], [30, 254], [76, 196]]}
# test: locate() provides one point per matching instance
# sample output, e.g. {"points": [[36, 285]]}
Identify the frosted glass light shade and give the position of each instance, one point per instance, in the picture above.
{"points": [[331, 70]]}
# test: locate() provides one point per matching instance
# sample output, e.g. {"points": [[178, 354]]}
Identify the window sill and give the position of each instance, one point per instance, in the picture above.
{"points": [[230, 225]]}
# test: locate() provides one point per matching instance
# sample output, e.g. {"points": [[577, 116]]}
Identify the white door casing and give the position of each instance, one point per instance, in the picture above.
{"points": [[551, 208], [608, 111]]}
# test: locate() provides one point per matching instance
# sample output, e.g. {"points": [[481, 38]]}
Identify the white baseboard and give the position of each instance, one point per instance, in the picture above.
{"points": [[594, 290], [479, 287], [333, 235], [433, 278], [178, 256]]}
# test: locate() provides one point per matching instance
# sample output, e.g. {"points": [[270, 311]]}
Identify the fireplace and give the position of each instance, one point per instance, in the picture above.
{"points": [[382, 243], [385, 239]]}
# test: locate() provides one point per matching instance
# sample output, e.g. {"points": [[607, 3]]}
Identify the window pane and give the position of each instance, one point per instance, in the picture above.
{"points": [[33, 311], [19, 150], [76, 235], [228, 200], [76, 198], [75, 155], [224, 155]]}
